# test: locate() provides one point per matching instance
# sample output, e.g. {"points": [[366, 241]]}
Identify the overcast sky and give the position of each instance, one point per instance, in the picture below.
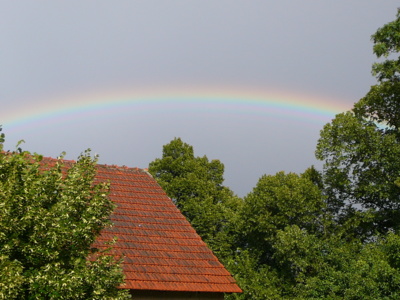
{"points": [[56, 53]]}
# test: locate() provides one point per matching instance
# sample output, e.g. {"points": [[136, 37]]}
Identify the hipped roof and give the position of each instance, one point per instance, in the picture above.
{"points": [[161, 249]]}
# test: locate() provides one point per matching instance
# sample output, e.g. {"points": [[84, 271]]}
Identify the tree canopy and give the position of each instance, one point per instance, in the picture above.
{"points": [[361, 148], [50, 217], [317, 235], [195, 184]]}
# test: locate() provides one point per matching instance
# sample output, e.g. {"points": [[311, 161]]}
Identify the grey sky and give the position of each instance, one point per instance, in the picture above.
{"points": [[52, 49]]}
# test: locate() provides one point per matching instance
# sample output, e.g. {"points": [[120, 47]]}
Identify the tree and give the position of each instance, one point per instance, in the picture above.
{"points": [[195, 184], [277, 202], [332, 267], [312, 236], [258, 281], [292, 250], [50, 217], [335, 237], [382, 104], [361, 148]]}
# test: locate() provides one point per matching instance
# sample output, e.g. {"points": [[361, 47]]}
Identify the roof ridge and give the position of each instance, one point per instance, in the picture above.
{"points": [[123, 167], [118, 167]]}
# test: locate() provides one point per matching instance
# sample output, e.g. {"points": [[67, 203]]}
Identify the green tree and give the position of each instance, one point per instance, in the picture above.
{"points": [[381, 104], [195, 184], [258, 281], [314, 266], [313, 236], [333, 267], [361, 148], [277, 202], [50, 217]]}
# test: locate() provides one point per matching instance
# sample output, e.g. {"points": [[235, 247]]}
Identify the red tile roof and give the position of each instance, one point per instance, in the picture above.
{"points": [[161, 249]]}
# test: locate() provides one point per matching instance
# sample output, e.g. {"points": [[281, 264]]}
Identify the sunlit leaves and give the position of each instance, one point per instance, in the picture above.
{"points": [[50, 216]]}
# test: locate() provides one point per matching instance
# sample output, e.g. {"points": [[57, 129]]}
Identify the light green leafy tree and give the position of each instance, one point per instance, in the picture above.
{"points": [[50, 217]]}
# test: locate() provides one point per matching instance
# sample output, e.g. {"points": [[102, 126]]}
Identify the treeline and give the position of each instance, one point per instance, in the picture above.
{"points": [[330, 234]]}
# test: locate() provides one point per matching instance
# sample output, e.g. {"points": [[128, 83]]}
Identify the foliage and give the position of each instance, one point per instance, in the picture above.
{"points": [[196, 186], [310, 266], [381, 104], [258, 281], [348, 270], [278, 201], [330, 235], [361, 148], [284, 241], [50, 217], [361, 168]]}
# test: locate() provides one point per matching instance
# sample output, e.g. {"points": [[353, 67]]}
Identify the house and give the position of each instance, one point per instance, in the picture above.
{"points": [[164, 256]]}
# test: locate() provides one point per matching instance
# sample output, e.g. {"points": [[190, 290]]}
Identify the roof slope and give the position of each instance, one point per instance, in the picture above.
{"points": [[161, 249]]}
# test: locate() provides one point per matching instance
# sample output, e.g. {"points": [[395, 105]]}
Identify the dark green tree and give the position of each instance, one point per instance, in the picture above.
{"points": [[333, 267], [50, 217], [334, 237], [276, 203], [195, 184], [361, 148]]}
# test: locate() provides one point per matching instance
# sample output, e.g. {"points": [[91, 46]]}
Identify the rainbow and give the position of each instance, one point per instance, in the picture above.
{"points": [[254, 102]]}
